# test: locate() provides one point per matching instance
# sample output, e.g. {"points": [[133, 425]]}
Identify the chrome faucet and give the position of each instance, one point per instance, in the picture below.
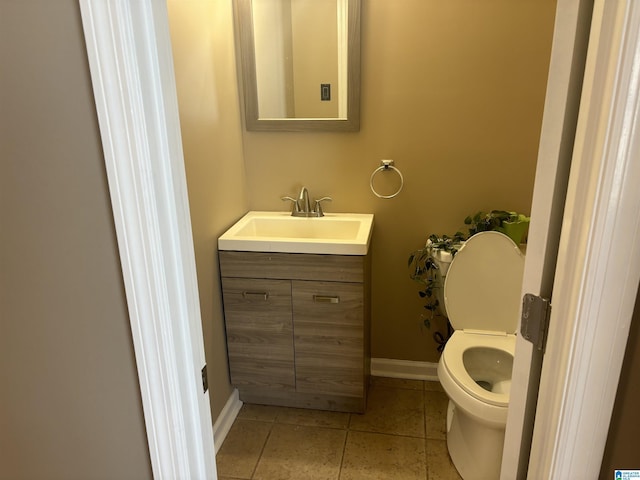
{"points": [[303, 201], [302, 205]]}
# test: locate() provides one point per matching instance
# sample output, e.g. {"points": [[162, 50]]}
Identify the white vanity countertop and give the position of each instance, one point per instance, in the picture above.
{"points": [[334, 233]]}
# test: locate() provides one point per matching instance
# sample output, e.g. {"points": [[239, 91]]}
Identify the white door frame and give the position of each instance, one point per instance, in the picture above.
{"points": [[557, 137], [132, 72], [598, 269], [130, 59]]}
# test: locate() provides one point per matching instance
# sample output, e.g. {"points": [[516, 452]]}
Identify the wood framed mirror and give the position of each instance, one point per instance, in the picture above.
{"points": [[300, 64]]}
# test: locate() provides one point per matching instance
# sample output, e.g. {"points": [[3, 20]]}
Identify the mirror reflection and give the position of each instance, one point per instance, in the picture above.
{"points": [[300, 63], [301, 51]]}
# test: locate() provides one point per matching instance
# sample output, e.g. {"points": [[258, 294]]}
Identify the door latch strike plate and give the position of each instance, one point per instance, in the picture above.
{"points": [[535, 320]]}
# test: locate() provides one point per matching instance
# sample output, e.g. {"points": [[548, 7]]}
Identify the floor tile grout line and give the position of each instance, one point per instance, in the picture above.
{"points": [[426, 440], [424, 426], [391, 434], [344, 449], [387, 434], [255, 467], [424, 413]]}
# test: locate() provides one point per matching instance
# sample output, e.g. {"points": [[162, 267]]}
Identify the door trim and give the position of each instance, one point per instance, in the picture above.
{"points": [[598, 270], [130, 61], [562, 103]]}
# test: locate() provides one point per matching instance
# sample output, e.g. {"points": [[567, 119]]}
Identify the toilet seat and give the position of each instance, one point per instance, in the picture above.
{"points": [[482, 287], [452, 359]]}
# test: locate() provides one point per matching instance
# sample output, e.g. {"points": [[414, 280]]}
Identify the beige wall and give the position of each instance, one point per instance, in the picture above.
{"points": [[70, 405], [202, 40], [453, 92], [621, 451]]}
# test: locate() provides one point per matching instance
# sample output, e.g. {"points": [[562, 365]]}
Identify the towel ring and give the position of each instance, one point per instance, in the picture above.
{"points": [[386, 165]]}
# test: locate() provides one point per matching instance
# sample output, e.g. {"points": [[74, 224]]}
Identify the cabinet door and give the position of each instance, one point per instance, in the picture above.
{"points": [[259, 333], [329, 337]]}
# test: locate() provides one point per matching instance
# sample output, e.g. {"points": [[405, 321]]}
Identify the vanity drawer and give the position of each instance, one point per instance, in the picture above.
{"points": [[294, 266]]}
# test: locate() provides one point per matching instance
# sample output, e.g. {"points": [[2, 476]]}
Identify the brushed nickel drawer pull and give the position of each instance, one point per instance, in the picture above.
{"points": [[326, 299], [256, 295]]}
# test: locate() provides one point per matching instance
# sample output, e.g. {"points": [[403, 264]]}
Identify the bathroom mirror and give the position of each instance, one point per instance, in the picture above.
{"points": [[300, 62]]}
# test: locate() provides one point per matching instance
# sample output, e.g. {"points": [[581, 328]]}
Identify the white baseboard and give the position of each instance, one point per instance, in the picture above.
{"points": [[388, 367], [226, 418]]}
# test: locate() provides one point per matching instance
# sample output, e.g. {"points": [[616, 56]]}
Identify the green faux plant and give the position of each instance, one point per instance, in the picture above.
{"points": [[512, 224], [425, 264], [424, 267]]}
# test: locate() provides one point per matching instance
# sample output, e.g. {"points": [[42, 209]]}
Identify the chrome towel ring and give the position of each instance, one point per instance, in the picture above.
{"points": [[384, 166]]}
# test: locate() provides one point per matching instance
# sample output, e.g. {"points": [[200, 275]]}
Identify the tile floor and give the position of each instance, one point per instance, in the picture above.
{"points": [[400, 437]]}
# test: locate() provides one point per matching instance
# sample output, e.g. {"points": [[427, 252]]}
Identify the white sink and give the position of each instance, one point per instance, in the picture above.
{"points": [[335, 233]]}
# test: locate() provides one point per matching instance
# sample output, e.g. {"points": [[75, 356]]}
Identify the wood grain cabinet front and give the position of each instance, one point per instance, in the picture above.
{"points": [[298, 337], [329, 337], [259, 333]]}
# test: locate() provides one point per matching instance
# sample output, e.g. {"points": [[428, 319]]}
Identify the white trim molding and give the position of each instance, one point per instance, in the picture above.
{"points": [[408, 369], [130, 60], [561, 108], [226, 418], [598, 269]]}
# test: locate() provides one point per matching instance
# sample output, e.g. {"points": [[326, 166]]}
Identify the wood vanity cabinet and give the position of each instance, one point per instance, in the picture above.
{"points": [[298, 328]]}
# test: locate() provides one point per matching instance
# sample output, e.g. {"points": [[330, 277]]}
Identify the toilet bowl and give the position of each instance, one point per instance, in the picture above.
{"points": [[482, 299]]}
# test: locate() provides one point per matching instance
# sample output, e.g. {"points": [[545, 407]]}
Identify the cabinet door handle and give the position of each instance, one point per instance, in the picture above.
{"points": [[255, 295], [326, 299]]}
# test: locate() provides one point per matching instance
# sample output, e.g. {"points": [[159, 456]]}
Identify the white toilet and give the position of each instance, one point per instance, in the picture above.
{"points": [[482, 299]]}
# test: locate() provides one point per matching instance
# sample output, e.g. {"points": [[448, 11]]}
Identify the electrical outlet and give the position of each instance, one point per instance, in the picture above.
{"points": [[325, 92]]}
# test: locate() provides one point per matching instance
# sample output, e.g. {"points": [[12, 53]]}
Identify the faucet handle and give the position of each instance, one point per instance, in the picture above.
{"points": [[296, 204], [319, 212]]}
